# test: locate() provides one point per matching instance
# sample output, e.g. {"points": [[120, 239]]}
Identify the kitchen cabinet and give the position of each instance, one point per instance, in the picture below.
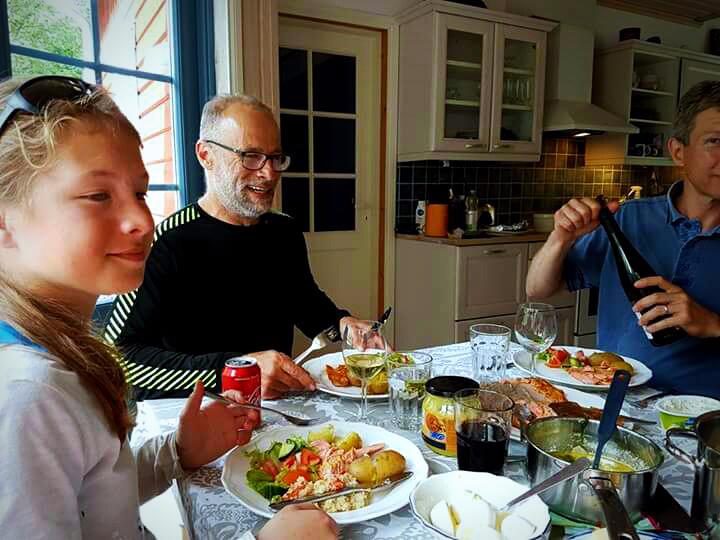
{"points": [[643, 83], [471, 84], [695, 71], [490, 280], [443, 289]]}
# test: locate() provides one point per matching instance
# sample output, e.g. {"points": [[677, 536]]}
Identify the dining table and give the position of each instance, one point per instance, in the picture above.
{"points": [[209, 512]]}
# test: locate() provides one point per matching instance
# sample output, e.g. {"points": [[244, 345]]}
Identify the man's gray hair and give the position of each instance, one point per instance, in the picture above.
{"points": [[213, 111], [702, 96]]}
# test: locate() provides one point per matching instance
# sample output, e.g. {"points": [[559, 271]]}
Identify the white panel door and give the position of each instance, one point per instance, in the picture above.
{"points": [[330, 111]]}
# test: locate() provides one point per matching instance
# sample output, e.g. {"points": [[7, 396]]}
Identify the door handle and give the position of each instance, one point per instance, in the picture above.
{"points": [[475, 145], [494, 251], [498, 146]]}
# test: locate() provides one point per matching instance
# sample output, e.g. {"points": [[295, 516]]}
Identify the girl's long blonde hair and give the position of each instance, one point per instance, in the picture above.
{"points": [[28, 146]]}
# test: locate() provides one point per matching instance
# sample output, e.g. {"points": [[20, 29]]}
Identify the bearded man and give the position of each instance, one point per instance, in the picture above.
{"points": [[227, 276]]}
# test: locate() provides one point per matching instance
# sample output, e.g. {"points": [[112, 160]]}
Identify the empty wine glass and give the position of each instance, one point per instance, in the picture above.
{"points": [[536, 328], [364, 354]]}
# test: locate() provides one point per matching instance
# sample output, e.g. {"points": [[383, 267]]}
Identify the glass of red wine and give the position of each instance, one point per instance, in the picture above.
{"points": [[483, 420]]}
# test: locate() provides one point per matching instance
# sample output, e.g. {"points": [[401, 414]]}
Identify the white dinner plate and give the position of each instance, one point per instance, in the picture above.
{"points": [[383, 502], [523, 360], [316, 368]]}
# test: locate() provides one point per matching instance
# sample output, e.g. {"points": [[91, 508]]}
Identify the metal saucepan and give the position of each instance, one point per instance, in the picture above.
{"points": [[706, 488], [581, 498]]}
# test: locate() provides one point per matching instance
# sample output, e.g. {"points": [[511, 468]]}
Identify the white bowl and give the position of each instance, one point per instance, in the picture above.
{"points": [[496, 490], [543, 222]]}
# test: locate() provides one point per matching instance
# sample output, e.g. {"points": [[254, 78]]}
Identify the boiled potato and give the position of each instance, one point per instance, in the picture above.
{"points": [[325, 434], [351, 440], [611, 359], [378, 384], [376, 469], [363, 469], [388, 463]]}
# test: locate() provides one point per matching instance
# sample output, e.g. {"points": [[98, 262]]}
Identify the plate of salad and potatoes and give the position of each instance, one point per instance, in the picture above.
{"points": [[289, 462], [582, 368]]}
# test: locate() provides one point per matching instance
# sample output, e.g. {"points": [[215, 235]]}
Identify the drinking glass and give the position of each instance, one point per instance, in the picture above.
{"points": [[536, 328], [364, 354], [483, 420], [490, 344], [408, 371]]}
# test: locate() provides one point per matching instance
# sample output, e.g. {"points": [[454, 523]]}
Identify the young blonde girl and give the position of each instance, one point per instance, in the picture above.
{"points": [[74, 224]]}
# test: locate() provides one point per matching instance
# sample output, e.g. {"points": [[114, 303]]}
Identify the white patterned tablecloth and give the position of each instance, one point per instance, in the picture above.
{"points": [[213, 514]]}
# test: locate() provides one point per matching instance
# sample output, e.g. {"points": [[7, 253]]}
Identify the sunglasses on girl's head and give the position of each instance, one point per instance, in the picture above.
{"points": [[33, 95]]}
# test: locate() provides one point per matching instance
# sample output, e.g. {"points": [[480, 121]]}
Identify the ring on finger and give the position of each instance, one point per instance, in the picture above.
{"points": [[666, 307]]}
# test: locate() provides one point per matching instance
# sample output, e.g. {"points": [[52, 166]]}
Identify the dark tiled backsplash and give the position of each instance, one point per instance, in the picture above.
{"points": [[518, 190]]}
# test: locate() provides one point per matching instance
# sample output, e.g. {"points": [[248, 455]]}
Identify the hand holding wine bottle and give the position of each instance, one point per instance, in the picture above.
{"points": [[578, 217], [674, 308], [633, 267]]}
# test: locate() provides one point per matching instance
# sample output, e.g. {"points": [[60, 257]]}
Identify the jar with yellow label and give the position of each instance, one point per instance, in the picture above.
{"points": [[438, 430]]}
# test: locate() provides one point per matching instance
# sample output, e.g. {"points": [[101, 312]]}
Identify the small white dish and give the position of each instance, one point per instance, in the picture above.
{"points": [[496, 490]]}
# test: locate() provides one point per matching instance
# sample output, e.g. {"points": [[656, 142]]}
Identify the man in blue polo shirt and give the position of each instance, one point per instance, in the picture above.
{"points": [[678, 234]]}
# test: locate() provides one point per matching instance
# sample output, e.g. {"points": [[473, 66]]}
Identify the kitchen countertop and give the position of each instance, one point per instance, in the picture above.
{"points": [[483, 241]]}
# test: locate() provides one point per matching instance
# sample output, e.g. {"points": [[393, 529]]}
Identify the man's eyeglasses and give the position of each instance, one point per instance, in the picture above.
{"points": [[254, 161], [33, 95]]}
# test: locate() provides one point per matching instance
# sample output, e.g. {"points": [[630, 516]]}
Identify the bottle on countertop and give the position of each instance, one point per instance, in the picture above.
{"points": [[472, 204], [456, 213], [420, 217], [632, 266]]}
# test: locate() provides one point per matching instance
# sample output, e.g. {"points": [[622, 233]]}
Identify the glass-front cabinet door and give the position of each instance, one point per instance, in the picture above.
{"points": [[464, 73], [518, 86]]}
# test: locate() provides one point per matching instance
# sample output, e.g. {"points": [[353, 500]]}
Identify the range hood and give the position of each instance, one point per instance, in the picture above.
{"points": [[568, 110]]}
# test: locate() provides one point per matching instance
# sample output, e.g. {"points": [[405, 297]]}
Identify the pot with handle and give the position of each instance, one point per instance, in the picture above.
{"points": [[553, 441], [706, 488]]}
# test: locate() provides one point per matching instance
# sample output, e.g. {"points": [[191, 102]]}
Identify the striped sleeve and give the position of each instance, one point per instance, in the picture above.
{"points": [[136, 327]]}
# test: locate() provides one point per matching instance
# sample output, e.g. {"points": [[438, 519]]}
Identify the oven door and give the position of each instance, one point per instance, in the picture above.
{"points": [[586, 310]]}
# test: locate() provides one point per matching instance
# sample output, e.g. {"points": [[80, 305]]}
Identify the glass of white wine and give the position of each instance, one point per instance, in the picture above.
{"points": [[364, 354], [536, 328]]}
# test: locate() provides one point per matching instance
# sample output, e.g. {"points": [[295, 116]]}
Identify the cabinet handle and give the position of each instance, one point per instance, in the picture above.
{"points": [[493, 251], [498, 146], [475, 145]]}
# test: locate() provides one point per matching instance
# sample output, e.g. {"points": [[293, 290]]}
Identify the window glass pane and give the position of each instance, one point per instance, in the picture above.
{"points": [[334, 204], [333, 83], [148, 105], [296, 200], [24, 66], [142, 28], [294, 137], [334, 145], [163, 203], [57, 26], [293, 79]]}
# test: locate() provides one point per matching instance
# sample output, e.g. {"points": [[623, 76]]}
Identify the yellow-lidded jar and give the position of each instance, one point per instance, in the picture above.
{"points": [[438, 430]]}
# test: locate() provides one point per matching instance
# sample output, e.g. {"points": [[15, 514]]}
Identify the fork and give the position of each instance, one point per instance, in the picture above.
{"points": [[322, 340], [296, 420]]}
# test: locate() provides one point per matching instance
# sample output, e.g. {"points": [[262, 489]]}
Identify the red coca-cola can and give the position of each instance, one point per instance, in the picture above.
{"points": [[243, 374]]}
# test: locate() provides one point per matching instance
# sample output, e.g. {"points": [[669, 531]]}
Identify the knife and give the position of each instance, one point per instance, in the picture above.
{"points": [[382, 320], [390, 482]]}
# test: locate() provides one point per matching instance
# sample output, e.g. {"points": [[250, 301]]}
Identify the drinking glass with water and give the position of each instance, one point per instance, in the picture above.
{"points": [[408, 371], [490, 344]]}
